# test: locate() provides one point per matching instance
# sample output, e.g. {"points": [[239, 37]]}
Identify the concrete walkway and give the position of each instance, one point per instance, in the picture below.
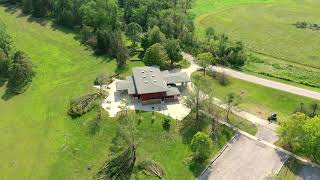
{"points": [[262, 81]]}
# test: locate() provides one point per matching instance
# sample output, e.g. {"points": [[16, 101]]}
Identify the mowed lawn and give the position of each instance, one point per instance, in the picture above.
{"points": [[269, 28], [34, 127], [256, 99]]}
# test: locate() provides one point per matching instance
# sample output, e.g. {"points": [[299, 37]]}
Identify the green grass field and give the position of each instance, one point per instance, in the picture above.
{"points": [[266, 28], [33, 125], [38, 139], [256, 99]]}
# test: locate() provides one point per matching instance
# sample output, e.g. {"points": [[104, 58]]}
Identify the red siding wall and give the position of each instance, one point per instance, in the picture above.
{"points": [[159, 95]]}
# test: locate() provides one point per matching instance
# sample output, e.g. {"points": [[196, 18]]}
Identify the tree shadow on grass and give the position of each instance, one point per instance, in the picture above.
{"points": [[196, 167], [8, 95]]}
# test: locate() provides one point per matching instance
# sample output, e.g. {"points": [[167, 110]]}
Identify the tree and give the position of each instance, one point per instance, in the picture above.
{"points": [[156, 55], [134, 32], [26, 6], [173, 50], [102, 79], [232, 101], [152, 36], [201, 146], [20, 73], [121, 166], [5, 40], [311, 138], [290, 131], [204, 59], [41, 8], [210, 33], [196, 101], [82, 105], [4, 65], [122, 56]]}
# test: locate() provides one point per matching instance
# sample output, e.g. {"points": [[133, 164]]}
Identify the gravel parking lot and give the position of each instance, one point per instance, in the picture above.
{"points": [[247, 159]]}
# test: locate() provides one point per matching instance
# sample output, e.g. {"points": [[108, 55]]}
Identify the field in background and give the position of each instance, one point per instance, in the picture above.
{"points": [[267, 29]]}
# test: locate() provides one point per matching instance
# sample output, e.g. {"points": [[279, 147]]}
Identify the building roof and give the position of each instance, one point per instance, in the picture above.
{"points": [[172, 91], [149, 79]]}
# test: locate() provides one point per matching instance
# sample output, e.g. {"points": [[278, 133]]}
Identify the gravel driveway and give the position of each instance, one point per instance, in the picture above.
{"points": [[247, 159]]}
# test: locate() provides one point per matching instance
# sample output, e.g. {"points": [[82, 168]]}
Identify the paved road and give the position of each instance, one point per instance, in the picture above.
{"points": [[262, 81], [245, 158]]}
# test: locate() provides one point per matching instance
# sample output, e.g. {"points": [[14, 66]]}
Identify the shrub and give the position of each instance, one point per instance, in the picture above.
{"points": [[222, 79], [166, 123], [201, 146], [103, 78]]}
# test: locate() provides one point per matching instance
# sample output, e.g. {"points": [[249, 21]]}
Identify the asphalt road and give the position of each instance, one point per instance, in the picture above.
{"points": [[268, 83], [262, 81], [247, 159]]}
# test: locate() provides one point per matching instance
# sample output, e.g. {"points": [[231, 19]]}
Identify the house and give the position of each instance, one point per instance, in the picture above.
{"points": [[150, 85]]}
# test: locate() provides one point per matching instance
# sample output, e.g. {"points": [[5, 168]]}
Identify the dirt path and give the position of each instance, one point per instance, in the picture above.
{"points": [[262, 81]]}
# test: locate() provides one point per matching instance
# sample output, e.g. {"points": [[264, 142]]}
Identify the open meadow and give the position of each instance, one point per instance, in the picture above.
{"points": [[267, 28]]}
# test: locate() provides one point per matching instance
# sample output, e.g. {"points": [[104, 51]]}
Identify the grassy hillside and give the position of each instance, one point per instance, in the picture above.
{"points": [[34, 125], [267, 29]]}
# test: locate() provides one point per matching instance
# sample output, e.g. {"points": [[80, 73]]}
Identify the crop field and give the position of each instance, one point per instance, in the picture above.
{"points": [[267, 29]]}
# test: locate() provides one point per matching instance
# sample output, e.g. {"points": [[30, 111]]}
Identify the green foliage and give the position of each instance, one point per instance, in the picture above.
{"points": [[20, 73], [134, 32], [166, 123], [152, 36], [156, 55], [173, 50], [301, 135], [5, 64], [5, 39], [201, 146], [210, 33], [40, 8], [82, 105], [204, 59]]}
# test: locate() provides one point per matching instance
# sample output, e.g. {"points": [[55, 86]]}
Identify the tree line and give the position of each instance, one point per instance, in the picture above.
{"points": [[107, 25], [15, 66]]}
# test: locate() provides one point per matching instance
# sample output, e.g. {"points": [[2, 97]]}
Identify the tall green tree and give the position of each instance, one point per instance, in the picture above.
{"points": [[20, 74], [196, 101], [204, 60], [152, 36], [134, 32], [156, 55], [232, 101], [5, 39], [201, 146], [173, 50], [311, 138]]}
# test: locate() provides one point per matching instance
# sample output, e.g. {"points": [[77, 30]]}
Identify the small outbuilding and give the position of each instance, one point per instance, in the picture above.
{"points": [[150, 85]]}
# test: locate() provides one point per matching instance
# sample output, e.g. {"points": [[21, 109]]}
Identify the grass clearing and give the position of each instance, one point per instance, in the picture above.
{"points": [[267, 30], [256, 99], [34, 125]]}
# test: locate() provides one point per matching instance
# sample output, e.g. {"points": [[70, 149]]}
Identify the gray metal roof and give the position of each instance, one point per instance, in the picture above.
{"points": [[178, 77], [151, 80], [148, 80], [172, 91]]}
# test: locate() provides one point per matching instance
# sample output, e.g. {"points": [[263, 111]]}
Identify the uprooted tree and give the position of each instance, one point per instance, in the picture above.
{"points": [[124, 148], [82, 104]]}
